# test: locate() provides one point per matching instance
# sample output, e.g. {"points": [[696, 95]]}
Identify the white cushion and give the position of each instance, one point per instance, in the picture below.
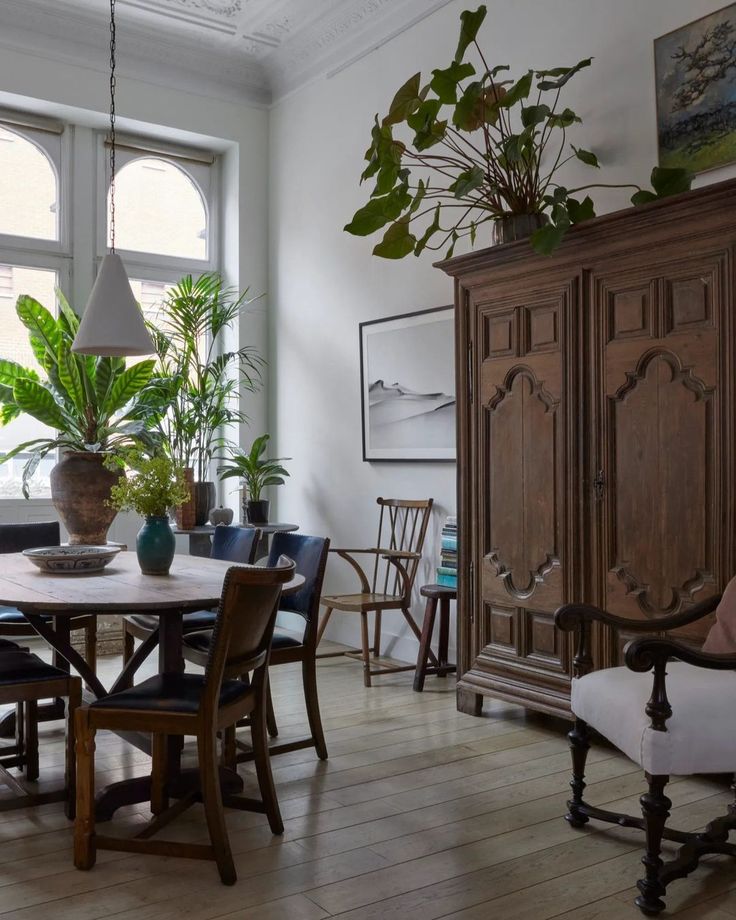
{"points": [[700, 736]]}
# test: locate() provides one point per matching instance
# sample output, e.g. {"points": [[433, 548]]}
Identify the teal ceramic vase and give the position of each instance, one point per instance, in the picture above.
{"points": [[155, 545]]}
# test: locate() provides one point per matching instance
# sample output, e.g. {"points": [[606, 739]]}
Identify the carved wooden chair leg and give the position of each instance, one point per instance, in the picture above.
{"points": [[262, 762], [229, 751], [159, 793], [31, 733], [377, 634], [128, 644], [273, 729], [70, 759], [20, 729], [85, 851], [655, 807], [213, 810], [579, 738], [309, 677], [365, 647]]}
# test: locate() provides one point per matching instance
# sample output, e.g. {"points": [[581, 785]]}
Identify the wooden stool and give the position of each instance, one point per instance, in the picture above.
{"points": [[444, 595]]}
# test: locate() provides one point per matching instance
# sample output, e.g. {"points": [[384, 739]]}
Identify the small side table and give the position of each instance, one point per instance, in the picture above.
{"points": [[444, 595]]}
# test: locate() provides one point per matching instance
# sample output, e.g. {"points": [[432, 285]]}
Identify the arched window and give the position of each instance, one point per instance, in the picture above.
{"points": [[159, 209], [29, 189]]}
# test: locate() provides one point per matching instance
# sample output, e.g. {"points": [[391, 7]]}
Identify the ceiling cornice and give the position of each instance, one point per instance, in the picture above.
{"points": [[246, 50]]}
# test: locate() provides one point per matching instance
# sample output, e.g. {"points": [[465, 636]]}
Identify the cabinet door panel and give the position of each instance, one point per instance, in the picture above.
{"points": [[663, 539], [522, 475]]}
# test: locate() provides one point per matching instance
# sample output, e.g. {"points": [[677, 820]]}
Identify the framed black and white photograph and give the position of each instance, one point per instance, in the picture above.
{"points": [[407, 377]]}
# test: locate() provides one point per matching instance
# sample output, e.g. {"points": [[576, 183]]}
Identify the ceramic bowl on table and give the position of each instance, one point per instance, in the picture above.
{"points": [[71, 560]]}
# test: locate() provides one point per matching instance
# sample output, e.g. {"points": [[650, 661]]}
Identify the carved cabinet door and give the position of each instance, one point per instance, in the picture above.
{"points": [[525, 466], [663, 519]]}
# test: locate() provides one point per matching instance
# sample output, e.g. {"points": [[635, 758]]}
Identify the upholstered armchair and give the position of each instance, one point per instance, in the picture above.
{"points": [[669, 709]]}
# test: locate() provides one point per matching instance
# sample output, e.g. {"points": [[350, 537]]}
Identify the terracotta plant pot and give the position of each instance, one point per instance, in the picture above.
{"points": [[186, 513], [514, 227], [205, 498], [80, 489]]}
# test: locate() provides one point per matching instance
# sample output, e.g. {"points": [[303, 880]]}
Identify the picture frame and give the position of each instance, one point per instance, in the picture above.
{"points": [[407, 385], [696, 100]]}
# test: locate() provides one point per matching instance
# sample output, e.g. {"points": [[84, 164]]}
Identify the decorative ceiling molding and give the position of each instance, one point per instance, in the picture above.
{"points": [[257, 50]]}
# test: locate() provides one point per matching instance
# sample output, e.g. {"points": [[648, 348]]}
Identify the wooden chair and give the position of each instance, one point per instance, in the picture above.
{"points": [[229, 544], [402, 527], [194, 704], [435, 594], [676, 721], [310, 558], [26, 679]]}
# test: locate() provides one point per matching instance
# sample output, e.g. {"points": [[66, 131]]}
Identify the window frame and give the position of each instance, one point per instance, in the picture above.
{"points": [[166, 267]]}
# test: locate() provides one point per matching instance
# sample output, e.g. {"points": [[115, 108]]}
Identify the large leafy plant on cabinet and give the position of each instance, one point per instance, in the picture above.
{"points": [[88, 402]]}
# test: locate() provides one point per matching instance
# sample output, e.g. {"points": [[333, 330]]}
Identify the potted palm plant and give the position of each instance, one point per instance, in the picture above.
{"points": [[256, 473], [198, 379], [88, 402], [471, 147], [156, 484]]}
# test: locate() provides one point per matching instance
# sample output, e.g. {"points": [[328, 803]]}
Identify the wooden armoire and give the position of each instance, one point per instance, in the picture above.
{"points": [[596, 456]]}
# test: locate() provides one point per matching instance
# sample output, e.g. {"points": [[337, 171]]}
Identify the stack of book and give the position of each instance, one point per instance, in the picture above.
{"points": [[447, 569]]}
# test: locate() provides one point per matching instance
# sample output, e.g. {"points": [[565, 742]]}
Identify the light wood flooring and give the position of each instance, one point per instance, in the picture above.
{"points": [[420, 813]]}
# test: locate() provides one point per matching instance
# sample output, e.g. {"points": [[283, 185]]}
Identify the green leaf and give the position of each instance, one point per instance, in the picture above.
{"points": [[520, 90], [397, 241], [517, 147], [585, 156], [470, 24], [70, 377], [563, 119], [36, 400], [467, 182], [429, 232], [451, 249], [67, 314], [377, 213], [404, 102], [127, 385], [564, 74], [547, 238], [669, 181], [424, 122], [534, 115], [39, 322], [445, 82], [643, 197], [580, 210], [465, 115], [106, 370], [10, 371]]}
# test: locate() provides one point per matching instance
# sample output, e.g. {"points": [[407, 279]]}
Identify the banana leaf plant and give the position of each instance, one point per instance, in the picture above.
{"points": [[256, 471], [194, 394], [470, 147], [88, 401]]}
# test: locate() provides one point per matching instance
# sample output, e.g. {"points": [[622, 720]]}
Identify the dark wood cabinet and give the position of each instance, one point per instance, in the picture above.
{"points": [[595, 437]]}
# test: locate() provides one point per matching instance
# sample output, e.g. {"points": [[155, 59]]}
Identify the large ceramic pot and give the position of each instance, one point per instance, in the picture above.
{"points": [[80, 490], [256, 512], [514, 227], [205, 498], [186, 513], [155, 545]]}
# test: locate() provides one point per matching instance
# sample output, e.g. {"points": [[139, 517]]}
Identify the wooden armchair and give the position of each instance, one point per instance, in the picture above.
{"points": [[402, 528], [678, 721]]}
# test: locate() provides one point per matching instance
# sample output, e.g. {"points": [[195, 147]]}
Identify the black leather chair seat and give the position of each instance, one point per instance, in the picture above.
{"points": [[13, 616], [19, 667], [201, 640], [200, 619], [170, 693]]}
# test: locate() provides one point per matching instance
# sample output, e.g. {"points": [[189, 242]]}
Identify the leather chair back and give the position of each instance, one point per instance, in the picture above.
{"points": [[241, 639], [235, 544], [14, 538], [310, 557]]}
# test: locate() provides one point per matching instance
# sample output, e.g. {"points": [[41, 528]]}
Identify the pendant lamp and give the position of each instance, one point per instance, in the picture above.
{"points": [[112, 323]]}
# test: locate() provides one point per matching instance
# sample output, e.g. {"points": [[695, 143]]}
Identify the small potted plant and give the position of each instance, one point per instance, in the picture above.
{"points": [[156, 484], [256, 472]]}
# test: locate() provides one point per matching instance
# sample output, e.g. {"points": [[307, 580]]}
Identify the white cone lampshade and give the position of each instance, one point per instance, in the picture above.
{"points": [[112, 323]]}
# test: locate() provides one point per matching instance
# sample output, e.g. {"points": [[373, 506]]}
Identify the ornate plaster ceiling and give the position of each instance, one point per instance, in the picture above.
{"points": [[261, 49]]}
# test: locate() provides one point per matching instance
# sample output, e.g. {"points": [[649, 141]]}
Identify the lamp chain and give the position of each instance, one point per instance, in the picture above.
{"points": [[112, 125]]}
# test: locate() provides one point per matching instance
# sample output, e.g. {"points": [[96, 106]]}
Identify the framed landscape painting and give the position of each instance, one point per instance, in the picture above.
{"points": [[695, 68], [407, 377]]}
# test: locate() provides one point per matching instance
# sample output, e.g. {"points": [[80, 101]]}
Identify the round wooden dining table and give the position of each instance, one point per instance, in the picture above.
{"points": [[49, 600]]}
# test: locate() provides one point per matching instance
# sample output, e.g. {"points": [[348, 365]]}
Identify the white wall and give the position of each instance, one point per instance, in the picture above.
{"points": [[323, 282], [78, 94]]}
